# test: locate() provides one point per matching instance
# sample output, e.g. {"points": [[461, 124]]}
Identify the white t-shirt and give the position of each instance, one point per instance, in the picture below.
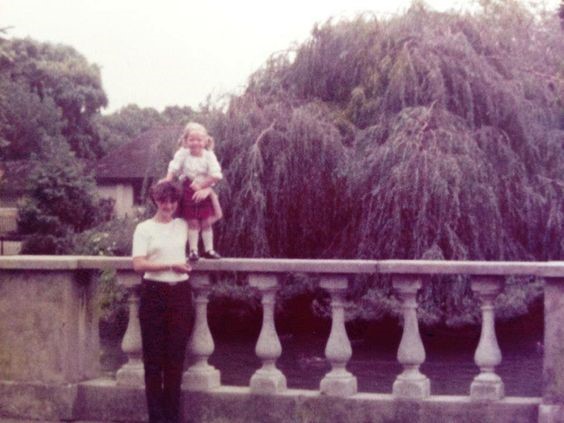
{"points": [[195, 167], [162, 242]]}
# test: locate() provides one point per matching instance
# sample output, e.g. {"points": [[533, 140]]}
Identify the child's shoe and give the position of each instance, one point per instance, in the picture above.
{"points": [[193, 256], [211, 254]]}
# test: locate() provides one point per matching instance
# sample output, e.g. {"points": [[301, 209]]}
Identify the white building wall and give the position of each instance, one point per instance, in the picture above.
{"points": [[122, 194], [8, 219], [9, 224]]}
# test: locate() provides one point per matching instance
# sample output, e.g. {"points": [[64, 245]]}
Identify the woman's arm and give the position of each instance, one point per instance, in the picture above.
{"points": [[141, 264], [204, 182], [214, 173], [202, 194], [175, 165], [169, 177]]}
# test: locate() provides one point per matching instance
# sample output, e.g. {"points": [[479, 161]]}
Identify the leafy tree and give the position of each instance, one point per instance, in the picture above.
{"points": [[49, 95], [128, 122], [289, 148], [177, 115], [428, 135], [25, 120], [60, 200], [125, 124], [57, 75]]}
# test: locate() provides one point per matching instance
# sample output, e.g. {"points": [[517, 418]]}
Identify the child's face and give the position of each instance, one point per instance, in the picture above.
{"points": [[195, 142]]}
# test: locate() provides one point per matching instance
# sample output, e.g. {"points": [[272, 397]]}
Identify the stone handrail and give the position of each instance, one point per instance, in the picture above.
{"points": [[552, 269], [487, 281]]}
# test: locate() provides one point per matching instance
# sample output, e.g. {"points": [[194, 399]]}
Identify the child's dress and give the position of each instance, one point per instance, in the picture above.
{"points": [[190, 169]]}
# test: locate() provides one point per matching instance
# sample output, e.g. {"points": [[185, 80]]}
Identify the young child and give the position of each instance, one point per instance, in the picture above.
{"points": [[196, 165]]}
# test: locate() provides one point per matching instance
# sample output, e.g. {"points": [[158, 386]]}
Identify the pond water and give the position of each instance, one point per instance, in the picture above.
{"points": [[449, 363]]}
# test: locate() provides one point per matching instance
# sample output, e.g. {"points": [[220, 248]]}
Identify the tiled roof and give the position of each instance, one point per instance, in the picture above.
{"points": [[133, 160], [138, 157]]}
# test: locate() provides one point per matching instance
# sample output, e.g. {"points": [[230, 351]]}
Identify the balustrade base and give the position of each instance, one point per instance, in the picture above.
{"points": [[36, 401], [102, 400], [487, 388], [339, 385], [131, 374], [268, 382], [201, 379], [412, 388], [551, 413]]}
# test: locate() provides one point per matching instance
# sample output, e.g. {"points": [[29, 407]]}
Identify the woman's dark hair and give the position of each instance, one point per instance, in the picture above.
{"points": [[164, 190]]}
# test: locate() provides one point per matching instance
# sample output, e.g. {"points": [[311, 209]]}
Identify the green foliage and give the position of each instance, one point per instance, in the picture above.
{"points": [[49, 95], [112, 304], [448, 130], [517, 295], [110, 238], [295, 148], [60, 200], [125, 124], [336, 59], [63, 92], [25, 120], [428, 135]]}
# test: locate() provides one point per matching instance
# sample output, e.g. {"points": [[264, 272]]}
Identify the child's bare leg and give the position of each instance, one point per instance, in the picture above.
{"points": [[207, 238], [217, 211], [193, 238]]}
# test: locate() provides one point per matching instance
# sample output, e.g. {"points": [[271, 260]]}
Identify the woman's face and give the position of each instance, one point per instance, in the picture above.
{"points": [[166, 207]]}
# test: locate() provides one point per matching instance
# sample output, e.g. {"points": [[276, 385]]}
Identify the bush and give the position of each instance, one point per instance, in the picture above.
{"points": [[60, 200], [111, 238]]}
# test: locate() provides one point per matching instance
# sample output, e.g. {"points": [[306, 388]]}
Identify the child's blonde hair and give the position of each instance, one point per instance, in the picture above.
{"points": [[198, 128]]}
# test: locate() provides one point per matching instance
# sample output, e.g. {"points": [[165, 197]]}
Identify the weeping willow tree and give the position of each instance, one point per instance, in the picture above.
{"points": [[286, 182], [428, 135]]}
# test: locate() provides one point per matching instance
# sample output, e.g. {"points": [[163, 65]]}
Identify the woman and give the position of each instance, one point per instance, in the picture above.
{"points": [[165, 312]]}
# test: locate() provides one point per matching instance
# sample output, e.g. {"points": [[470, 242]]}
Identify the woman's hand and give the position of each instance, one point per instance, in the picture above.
{"points": [[201, 194], [169, 178], [195, 186], [181, 267], [142, 264]]}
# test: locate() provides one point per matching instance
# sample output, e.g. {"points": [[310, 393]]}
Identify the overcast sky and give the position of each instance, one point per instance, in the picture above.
{"points": [[176, 52]]}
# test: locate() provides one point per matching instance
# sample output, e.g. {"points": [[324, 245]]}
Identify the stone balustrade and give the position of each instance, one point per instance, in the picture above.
{"points": [[69, 285]]}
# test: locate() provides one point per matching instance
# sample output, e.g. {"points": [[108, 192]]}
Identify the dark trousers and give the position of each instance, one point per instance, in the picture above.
{"points": [[166, 317]]}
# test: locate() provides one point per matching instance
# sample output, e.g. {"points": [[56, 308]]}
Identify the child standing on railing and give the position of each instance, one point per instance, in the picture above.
{"points": [[197, 167]]}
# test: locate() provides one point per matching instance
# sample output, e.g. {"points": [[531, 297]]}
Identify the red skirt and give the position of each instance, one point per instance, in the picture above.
{"points": [[189, 209]]}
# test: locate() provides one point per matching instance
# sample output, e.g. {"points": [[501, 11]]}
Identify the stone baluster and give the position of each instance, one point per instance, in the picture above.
{"points": [[411, 383], [201, 376], [338, 351], [268, 379], [132, 372], [487, 386]]}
